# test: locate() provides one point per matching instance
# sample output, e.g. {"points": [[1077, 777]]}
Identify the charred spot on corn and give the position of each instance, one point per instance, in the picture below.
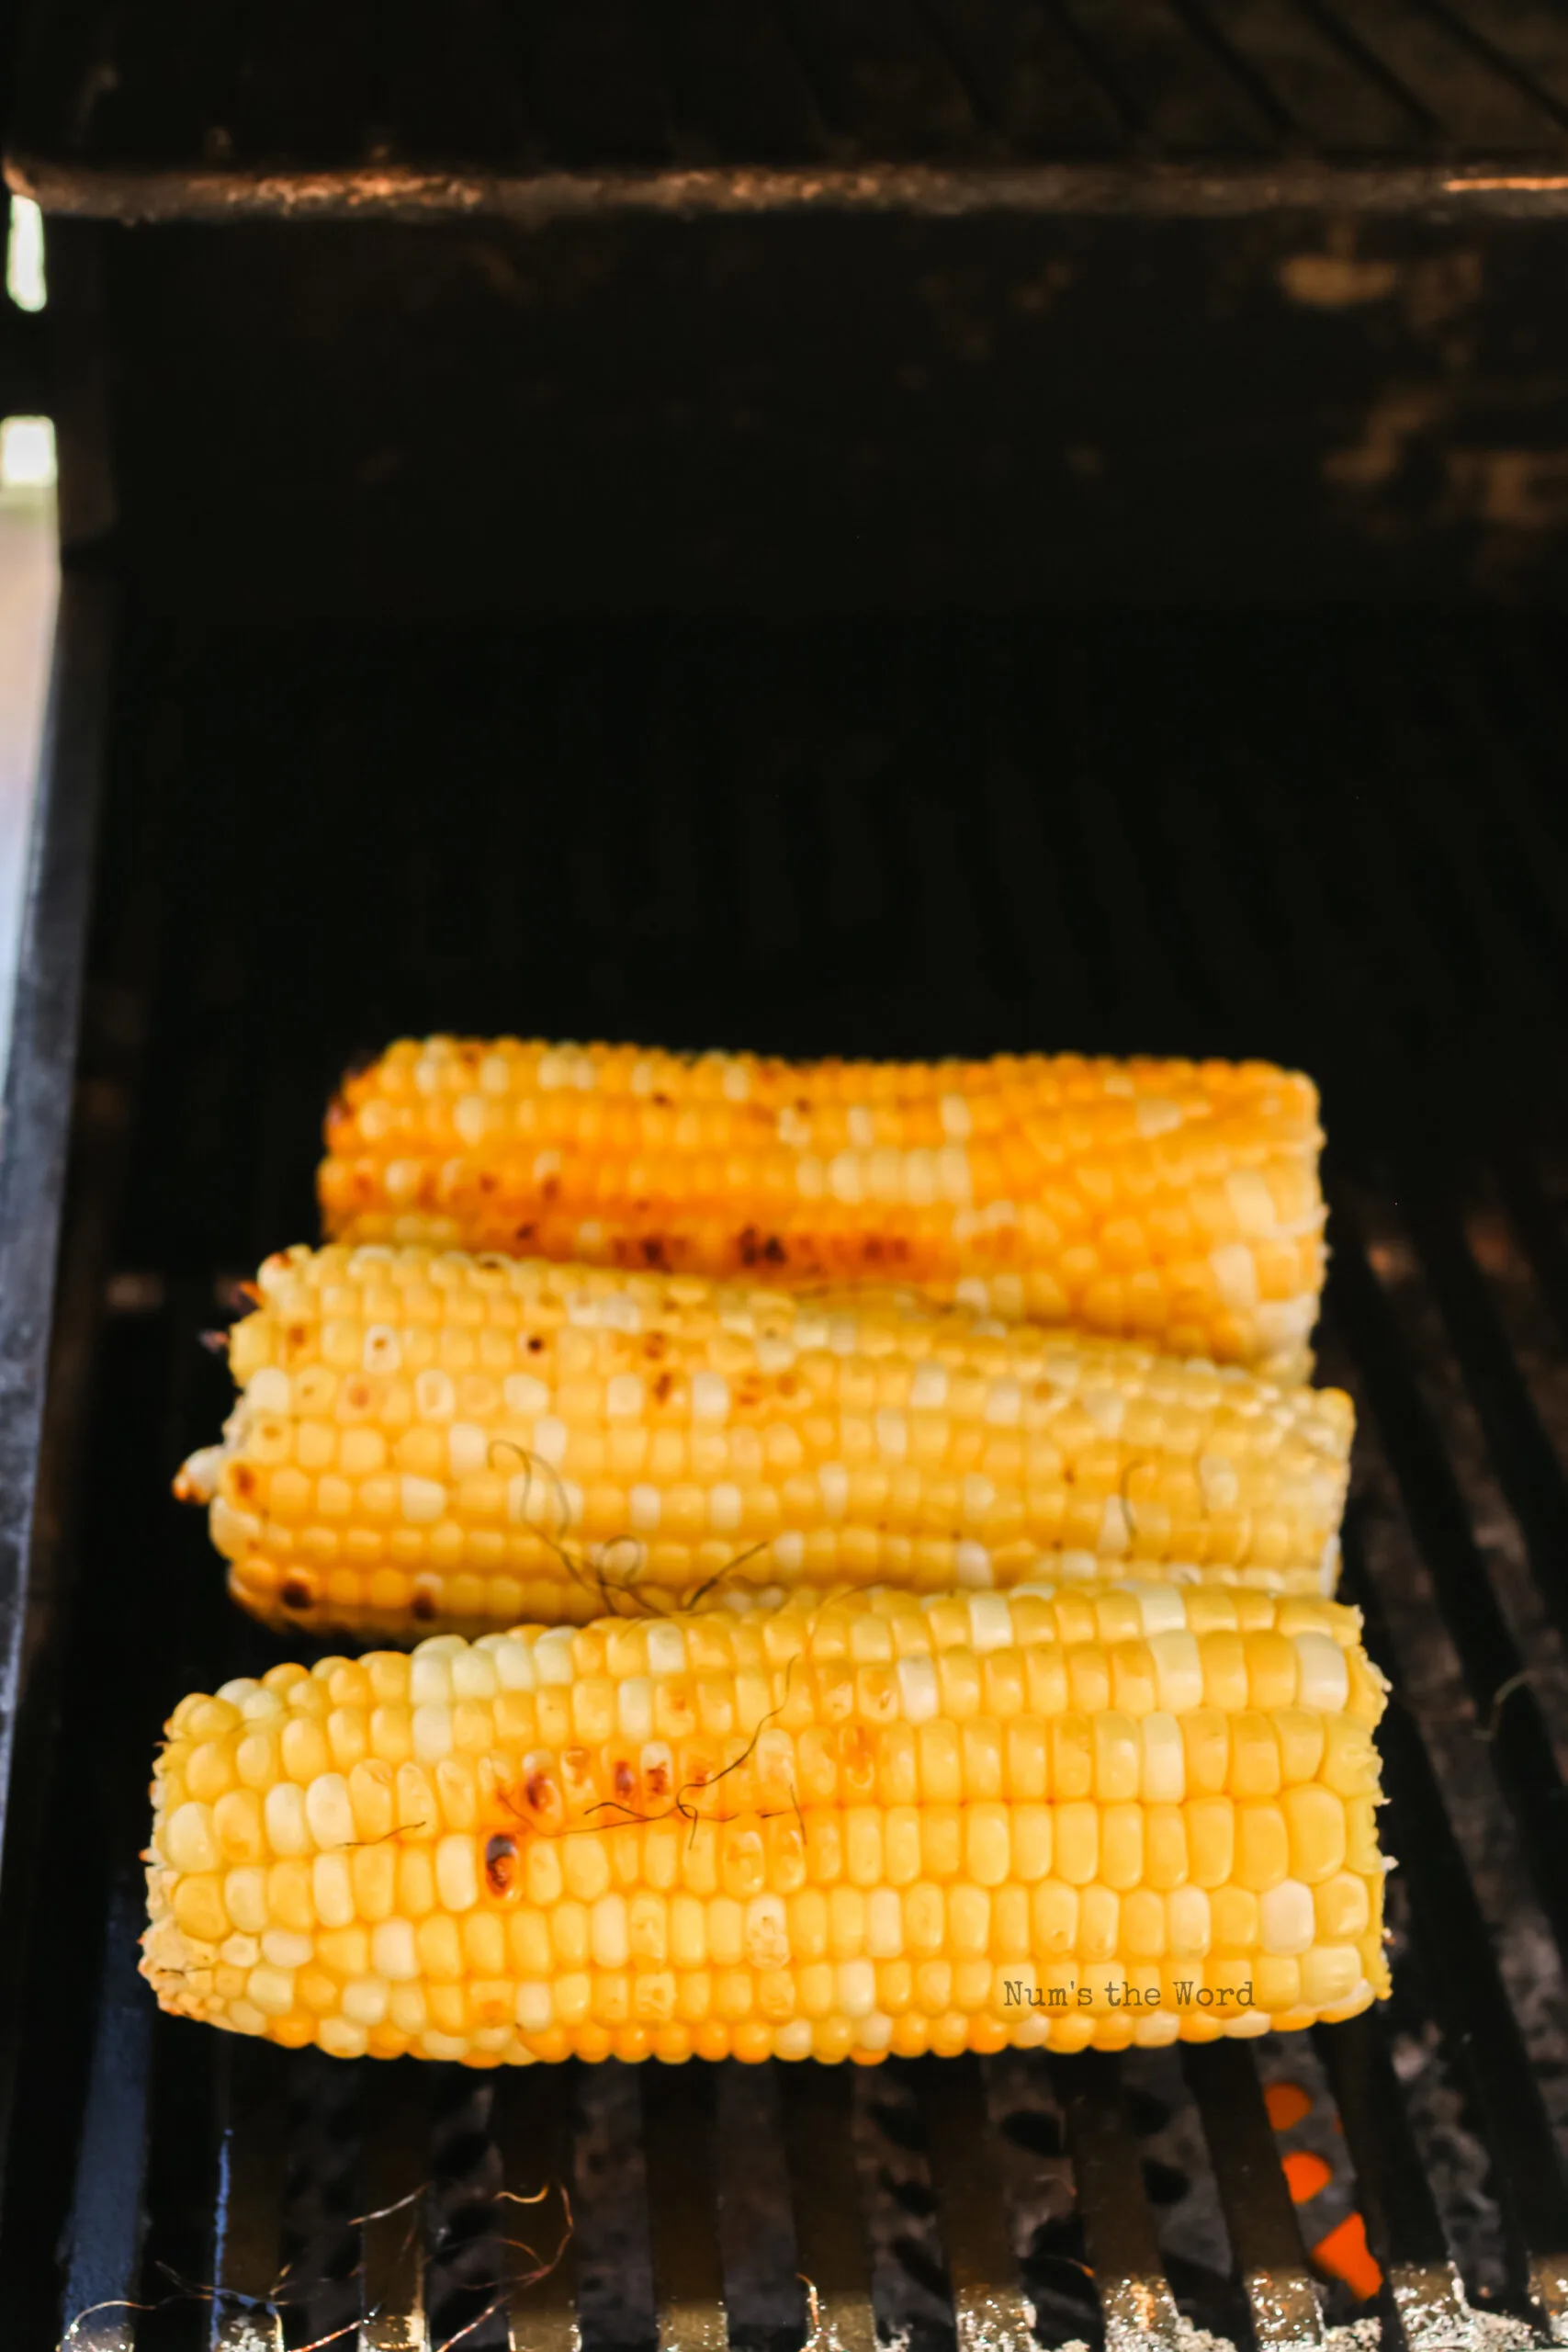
{"points": [[1104, 1816], [501, 1864], [460, 1443], [1173, 1201]]}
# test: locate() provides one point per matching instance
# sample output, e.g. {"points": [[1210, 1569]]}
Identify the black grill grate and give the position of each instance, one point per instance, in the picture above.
{"points": [[150, 106], [1343, 846]]}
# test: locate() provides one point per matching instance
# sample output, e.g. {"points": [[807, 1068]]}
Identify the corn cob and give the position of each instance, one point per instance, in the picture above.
{"points": [[1177, 1203], [427, 1441], [1127, 1817]]}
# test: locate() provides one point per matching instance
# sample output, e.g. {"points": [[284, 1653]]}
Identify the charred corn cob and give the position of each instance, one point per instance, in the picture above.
{"points": [[1177, 1203], [1133, 1816], [426, 1441]]}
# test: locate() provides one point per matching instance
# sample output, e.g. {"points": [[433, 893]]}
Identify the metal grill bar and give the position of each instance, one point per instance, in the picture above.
{"points": [[987, 2307], [1403, 2224], [393, 2177], [829, 2229], [533, 2127], [677, 2114], [1137, 930], [1280, 2296], [1118, 2233], [251, 2170]]}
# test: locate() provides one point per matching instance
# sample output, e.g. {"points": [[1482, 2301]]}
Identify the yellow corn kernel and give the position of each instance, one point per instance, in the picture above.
{"points": [[750, 1891], [657, 1436], [1175, 1201]]}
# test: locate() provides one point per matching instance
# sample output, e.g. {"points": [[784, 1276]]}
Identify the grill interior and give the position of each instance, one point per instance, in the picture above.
{"points": [[1344, 845], [148, 105]]}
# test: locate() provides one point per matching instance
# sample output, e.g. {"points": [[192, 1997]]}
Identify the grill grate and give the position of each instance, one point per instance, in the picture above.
{"points": [[883, 839], [148, 107]]}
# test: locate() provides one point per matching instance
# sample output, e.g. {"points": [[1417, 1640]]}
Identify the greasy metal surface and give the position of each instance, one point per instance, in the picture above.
{"points": [[1349, 850], [392, 2178], [989, 2313], [35, 1132], [830, 2230], [533, 2124], [678, 2148], [1280, 2297], [533, 108], [247, 2260], [1401, 2214], [1439, 192], [1119, 2236]]}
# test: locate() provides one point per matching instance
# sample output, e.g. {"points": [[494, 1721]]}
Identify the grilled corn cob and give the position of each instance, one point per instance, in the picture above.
{"points": [[1177, 1203], [1133, 1816], [427, 1441]]}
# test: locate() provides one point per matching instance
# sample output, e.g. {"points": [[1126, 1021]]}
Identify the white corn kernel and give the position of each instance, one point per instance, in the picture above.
{"points": [[423, 1500], [634, 1706], [473, 1675], [919, 1689], [468, 1449], [644, 1508], [287, 1831], [363, 2000], [552, 1655], [392, 1952], [328, 1813], [456, 1873], [551, 1439], [1324, 1676], [1287, 1922], [190, 1841], [283, 1950], [432, 1728], [666, 1650]]}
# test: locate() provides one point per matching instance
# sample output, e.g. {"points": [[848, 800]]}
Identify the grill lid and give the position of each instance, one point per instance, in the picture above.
{"points": [[151, 111]]}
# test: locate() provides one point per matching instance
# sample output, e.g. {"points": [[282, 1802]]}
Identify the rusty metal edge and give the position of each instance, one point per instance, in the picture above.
{"points": [[390, 191]]}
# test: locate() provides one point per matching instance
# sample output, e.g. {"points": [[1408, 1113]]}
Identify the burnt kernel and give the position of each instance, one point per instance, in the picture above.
{"points": [[657, 1779], [773, 1250], [655, 1346], [661, 1387], [655, 1253], [536, 1345], [426, 1605], [661, 1101], [538, 1791], [500, 1863], [296, 1593], [244, 1479], [624, 1781]]}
